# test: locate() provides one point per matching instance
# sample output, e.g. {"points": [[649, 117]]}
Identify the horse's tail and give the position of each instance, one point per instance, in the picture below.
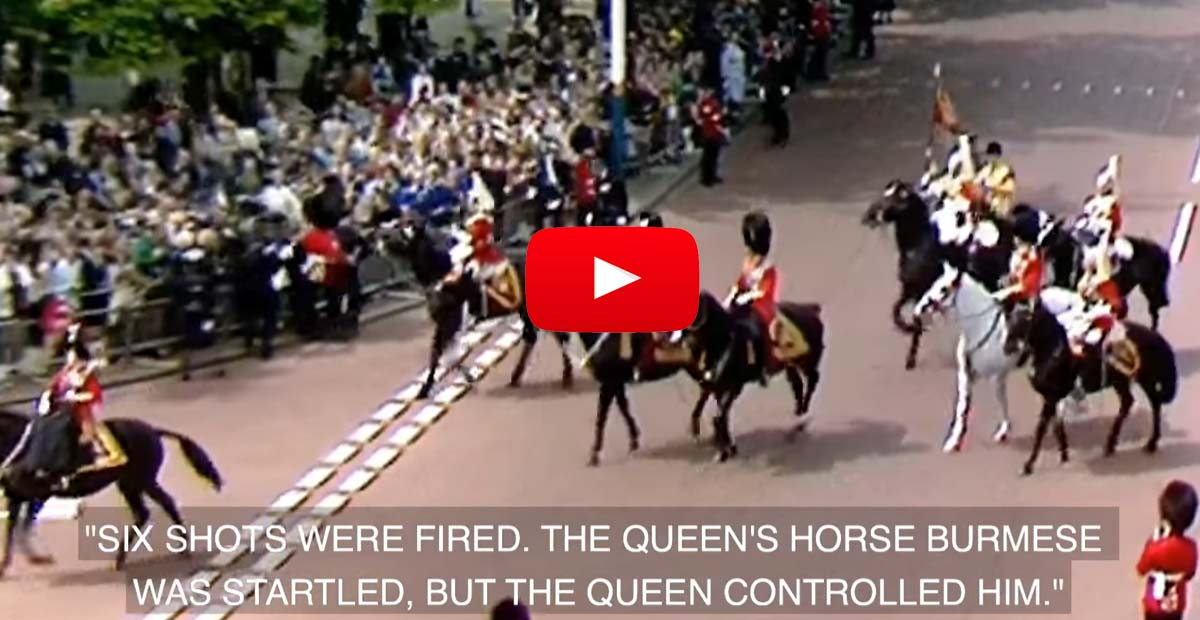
{"points": [[196, 457], [1157, 353], [1156, 272], [898, 317]]}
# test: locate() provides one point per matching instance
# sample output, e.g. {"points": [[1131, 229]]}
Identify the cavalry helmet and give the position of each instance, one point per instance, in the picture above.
{"points": [[756, 232]]}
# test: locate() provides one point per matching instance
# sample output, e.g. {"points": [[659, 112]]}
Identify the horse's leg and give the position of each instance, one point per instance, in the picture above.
{"points": [[1048, 412], [603, 403], [160, 496], [1005, 424], [440, 336], [726, 446], [698, 411], [529, 338], [27, 536], [630, 422], [10, 532], [914, 345], [1156, 432], [141, 514], [957, 432], [1060, 434], [799, 391], [568, 373], [1125, 395]]}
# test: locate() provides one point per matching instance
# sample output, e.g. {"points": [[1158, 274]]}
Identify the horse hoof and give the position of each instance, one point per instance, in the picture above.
{"points": [[594, 461], [1150, 448], [1109, 451], [1027, 470], [910, 364], [41, 560], [634, 445], [514, 384], [568, 381]]}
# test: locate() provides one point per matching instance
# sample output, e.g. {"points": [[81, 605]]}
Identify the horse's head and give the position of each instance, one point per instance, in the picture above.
{"points": [[941, 294], [897, 198], [649, 219], [411, 241], [710, 323], [1020, 326]]}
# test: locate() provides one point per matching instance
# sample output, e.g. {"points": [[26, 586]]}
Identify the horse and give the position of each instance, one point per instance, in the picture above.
{"points": [[1147, 269], [431, 262], [614, 369], [980, 352], [729, 337], [921, 254], [26, 486], [1057, 372]]}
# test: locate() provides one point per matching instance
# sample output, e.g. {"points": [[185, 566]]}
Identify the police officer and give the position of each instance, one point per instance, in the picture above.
{"points": [[261, 278], [193, 276]]}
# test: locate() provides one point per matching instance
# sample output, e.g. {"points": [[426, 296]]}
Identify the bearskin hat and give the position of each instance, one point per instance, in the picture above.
{"points": [[1177, 505], [1026, 226], [756, 232], [72, 346]]}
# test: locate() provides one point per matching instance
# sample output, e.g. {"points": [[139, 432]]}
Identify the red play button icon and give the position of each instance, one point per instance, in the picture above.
{"points": [[612, 279]]}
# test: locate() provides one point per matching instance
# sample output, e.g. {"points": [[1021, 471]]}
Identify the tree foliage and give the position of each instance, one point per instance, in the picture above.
{"points": [[122, 34]]}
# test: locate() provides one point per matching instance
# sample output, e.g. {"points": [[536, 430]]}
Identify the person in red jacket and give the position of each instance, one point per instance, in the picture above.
{"points": [[710, 119], [820, 33], [1168, 560], [1026, 272], [77, 385], [586, 191]]}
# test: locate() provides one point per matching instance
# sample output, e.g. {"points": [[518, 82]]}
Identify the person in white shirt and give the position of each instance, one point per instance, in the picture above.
{"points": [[6, 100], [276, 197]]}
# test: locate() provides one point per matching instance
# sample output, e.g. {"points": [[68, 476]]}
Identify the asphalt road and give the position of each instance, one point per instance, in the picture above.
{"points": [[1061, 89]]}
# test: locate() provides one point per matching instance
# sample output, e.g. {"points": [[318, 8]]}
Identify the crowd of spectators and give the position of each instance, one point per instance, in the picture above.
{"points": [[96, 211]]}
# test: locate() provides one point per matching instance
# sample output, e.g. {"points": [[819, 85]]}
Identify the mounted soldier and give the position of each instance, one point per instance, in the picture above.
{"points": [[76, 388], [773, 340], [500, 286], [1103, 215], [998, 181], [1026, 274]]}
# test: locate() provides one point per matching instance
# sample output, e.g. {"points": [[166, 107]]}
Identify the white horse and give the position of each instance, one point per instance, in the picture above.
{"points": [[983, 329]]}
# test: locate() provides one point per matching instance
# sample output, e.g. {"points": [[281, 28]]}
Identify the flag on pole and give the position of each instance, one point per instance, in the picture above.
{"points": [[1182, 232], [945, 116]]}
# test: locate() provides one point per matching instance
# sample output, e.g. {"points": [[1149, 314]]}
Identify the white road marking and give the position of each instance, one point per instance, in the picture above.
{"points": [[288, 501], [450, 394], [1025, 85], [1179, 93], [357, 481], [315, 477], [374, 465], [340, 455], [227, 558], [429, 414], [389, 412], [1087, 88], [330, 504], [1150, 92], [1057, 86], [1196, 164], [996, 83], [364, 433], [1117, 90], [1183, 230], [405, 436], [382, 457]]}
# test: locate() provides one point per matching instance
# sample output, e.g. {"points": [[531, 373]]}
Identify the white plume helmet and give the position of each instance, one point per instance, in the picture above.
{"points": [[1107, 179]]}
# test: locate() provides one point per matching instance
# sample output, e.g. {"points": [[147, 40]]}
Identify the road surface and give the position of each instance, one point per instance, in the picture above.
{"points": [[1061, 89]]}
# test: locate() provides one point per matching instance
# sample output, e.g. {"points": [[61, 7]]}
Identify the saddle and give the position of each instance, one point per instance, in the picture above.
{"points": [[1124, 356]]}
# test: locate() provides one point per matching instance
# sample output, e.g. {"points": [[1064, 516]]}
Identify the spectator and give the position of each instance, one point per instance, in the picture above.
{"points": [[1169, 558], [733, 75], [508, 609]]}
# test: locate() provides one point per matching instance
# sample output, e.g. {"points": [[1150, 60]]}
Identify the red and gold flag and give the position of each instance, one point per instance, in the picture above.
{"points": [[945, 116]]}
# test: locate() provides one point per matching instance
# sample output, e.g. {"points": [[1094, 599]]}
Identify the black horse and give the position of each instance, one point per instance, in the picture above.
{"points": [[1148, 269], [1056, 371], [731, 340], [431, 262], [921, 255], [48, 446]]}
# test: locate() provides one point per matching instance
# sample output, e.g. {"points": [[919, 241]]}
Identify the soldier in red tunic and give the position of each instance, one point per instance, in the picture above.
{"points": [[1168, 561], [1026, 272], [757, 288], [491, 269], [77, 385], [710, 119]]}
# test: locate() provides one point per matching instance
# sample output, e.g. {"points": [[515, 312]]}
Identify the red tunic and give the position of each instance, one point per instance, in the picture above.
{"points": [[83, 412], [325, 247], [585, 184], [1174, 557], [710, 119], [1110, 293], [765, 280], [1029, 275]]}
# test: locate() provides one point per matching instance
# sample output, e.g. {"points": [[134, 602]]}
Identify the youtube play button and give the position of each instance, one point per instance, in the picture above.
{"points": [[612, 279]]}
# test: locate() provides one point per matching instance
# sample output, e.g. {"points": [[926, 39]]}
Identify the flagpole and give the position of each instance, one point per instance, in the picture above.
{"points": [[937, 95]]}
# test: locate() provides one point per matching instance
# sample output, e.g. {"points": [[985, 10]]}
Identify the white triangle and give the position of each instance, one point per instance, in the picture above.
{"points": [[607, 277]]}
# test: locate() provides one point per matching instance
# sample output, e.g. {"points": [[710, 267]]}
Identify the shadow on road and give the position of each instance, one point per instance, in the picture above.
{"points": [[815, 451]]}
